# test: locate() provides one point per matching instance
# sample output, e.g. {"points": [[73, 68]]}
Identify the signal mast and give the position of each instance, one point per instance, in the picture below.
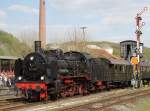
{"points": [[139, 25]]}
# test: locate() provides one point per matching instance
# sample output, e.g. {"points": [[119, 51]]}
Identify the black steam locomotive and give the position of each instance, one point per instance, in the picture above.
{"points": [[52, 73]]}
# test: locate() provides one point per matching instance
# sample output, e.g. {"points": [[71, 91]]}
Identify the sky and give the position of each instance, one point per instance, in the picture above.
{"points": [[106, 20]]}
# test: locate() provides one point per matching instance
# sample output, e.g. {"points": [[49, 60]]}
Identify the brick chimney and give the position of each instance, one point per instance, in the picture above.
{"points": [[42, 24]]}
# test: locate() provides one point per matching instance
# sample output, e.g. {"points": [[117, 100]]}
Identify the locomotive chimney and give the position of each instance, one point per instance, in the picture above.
{"points": [[42, 25], [37, 46]]}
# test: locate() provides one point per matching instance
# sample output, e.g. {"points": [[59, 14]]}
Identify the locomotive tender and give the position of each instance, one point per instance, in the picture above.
{"points": [[52, 73]]}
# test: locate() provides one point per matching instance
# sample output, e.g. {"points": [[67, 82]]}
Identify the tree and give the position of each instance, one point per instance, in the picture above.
{"points": [[28, 37]]}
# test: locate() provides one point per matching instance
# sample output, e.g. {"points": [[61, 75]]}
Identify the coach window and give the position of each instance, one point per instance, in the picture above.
{"points": [[115, 67], [120, 68], [110, 66], [147, 69], [144, 69], [126, 68]]}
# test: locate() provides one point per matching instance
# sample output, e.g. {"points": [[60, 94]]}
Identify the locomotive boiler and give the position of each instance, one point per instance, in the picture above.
{"points": [[36, 74]]}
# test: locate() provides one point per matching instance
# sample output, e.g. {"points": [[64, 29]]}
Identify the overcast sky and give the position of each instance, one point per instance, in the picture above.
{"points": [[106, 20]]}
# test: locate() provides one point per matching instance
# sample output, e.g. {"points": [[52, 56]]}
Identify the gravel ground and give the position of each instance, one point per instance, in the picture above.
{"points": [[139, 104]]}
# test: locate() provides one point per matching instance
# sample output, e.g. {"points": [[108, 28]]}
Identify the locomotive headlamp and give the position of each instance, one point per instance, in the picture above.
{"points": [[19, 78], [42, 77], [31, 58]]}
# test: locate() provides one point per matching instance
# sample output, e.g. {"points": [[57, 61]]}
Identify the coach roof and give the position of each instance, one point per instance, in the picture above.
{"points": [[121, 61]]}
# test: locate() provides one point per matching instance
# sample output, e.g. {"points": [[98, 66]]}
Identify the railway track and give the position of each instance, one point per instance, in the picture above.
{"points": [[104, 104], [15, 104], [93, 102], [11, 103], [60, 103]]}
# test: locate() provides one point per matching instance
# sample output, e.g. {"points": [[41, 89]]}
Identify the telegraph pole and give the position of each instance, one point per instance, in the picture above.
{"points": [[83, 32], [139, 25], [84, 38], [42, 24]]}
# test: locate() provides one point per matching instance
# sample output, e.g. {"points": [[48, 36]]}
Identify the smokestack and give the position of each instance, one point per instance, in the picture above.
{"points": [[42, 25], [37, 45]]}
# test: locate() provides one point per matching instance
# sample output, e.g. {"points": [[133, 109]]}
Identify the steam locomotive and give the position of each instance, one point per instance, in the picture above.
{"points": [[46, 74]]}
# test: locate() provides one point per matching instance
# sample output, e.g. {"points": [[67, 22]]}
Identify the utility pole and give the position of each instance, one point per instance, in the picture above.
{"points": [[83, 32], [42, 24], [139, 25], [84, 38]]}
